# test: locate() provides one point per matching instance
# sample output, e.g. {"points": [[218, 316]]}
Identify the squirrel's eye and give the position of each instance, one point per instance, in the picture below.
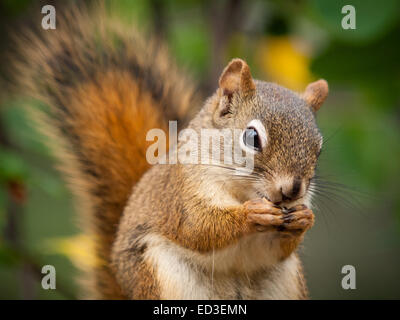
{"points": [[251, 139]]}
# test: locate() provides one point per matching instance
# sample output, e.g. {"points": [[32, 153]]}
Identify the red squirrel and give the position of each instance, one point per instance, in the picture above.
{"points": [[173, 231]]}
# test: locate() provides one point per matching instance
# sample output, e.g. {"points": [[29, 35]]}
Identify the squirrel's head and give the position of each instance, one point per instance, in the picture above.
{"points": [[278, 127]]}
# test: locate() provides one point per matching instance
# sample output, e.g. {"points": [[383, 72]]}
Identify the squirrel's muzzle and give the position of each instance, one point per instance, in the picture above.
{"points": [[286, 189]]}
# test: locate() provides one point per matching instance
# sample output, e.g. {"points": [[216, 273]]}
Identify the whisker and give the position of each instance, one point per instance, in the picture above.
{"points": [[315, 204], [235, 171], [337, 197], [320, 181], [343, 193]]}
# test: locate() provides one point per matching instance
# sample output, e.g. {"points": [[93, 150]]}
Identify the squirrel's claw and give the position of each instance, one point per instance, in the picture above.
{"points": [[300, 220]]}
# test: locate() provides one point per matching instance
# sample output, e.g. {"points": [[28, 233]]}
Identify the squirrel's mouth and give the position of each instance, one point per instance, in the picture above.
{"points": [[286, 205]]}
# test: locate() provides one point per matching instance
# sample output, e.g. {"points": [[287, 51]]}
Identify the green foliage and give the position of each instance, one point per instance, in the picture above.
{"points": [[369, 67], [8, 257], [372, 18], [15, 7], [127, 11], [12, 166], [191, 45]]}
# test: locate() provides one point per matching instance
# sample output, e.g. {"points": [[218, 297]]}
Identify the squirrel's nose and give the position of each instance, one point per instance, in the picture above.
{"points": [[285, 190]]}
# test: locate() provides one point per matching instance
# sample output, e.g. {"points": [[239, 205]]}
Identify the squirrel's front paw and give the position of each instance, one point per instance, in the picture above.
{"points": [[263, 215], [297, 219]]}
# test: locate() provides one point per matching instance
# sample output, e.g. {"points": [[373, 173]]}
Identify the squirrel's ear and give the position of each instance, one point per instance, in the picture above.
{"points": [[316, 93], [236, 77]]}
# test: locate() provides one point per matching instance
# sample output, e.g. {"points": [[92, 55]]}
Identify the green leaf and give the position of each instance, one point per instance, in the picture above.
{"points": [[8, 256], [12, 167], [190, 45], [372, 67], [373, 18]]}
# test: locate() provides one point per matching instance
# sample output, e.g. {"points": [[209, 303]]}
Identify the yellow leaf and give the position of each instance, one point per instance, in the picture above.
{"points": [[282, 61], [80, 249]]}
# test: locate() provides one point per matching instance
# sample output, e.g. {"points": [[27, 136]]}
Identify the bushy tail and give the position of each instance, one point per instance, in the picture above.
{"points": [[105, 88]]}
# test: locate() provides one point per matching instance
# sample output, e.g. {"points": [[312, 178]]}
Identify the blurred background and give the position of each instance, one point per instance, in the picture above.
{"points": [[288, 42]]}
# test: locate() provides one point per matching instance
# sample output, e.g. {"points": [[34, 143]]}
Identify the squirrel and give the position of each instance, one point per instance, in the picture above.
{"points": [[172, 231]]}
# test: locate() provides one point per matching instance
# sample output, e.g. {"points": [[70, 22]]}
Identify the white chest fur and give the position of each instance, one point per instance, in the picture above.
{"points": [[247, 270]]}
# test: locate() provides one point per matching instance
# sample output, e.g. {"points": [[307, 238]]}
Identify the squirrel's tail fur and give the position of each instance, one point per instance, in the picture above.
{"points": [[105, 88]]}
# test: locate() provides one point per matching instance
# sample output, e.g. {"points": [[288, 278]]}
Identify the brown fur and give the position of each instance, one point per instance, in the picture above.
{"points": [[237, 77], [186, 214], [316, 93], [106, 87]]}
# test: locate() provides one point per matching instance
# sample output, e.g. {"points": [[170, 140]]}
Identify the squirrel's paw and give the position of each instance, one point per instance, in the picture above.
{"points": [[298, 218], [263, 215]]}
